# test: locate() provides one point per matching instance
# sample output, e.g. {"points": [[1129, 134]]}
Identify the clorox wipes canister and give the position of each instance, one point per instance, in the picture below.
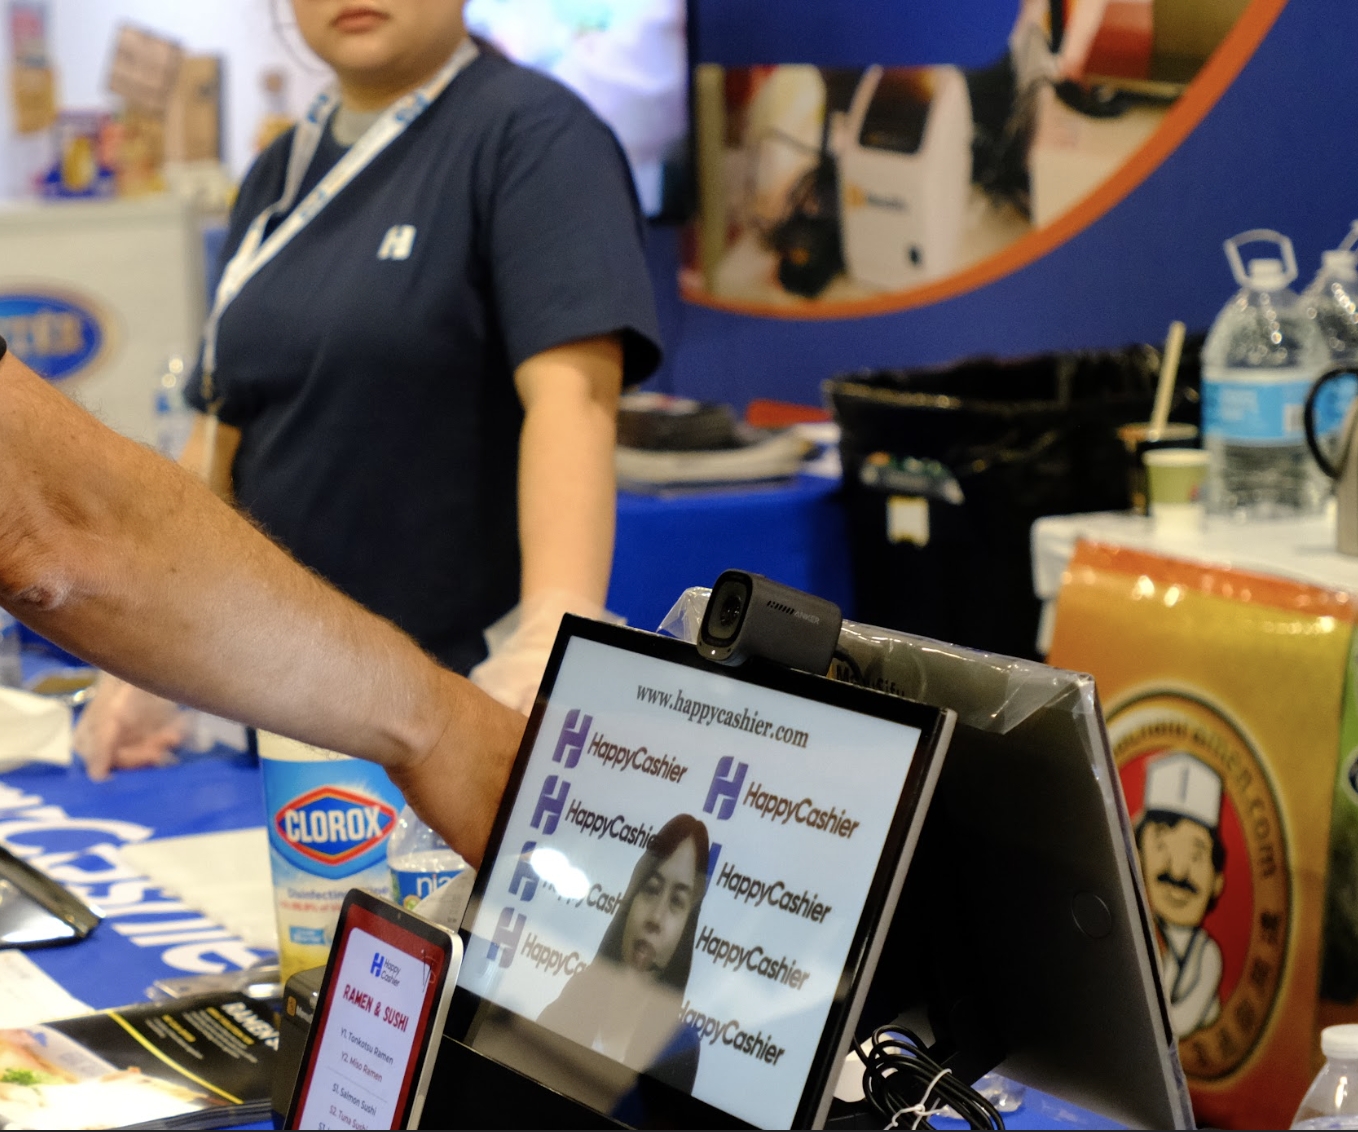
{"points": [[329, 819]]}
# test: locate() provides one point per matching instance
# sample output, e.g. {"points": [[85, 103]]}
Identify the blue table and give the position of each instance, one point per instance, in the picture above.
{"points": [[793, 531], [73, 828]]}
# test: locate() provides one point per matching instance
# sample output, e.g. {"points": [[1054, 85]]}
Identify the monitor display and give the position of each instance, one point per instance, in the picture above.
{"points": [[627, 58], [682, 879]]}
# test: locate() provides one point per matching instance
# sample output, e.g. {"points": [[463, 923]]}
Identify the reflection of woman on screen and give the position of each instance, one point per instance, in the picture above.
{"points": [[627, 1003]]}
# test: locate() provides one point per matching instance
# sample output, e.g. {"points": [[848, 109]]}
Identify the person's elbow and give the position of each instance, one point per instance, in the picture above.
{"points": [[40, 568]]}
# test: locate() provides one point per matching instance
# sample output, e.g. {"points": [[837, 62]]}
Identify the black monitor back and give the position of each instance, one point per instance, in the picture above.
{"points": [[1022, 939]]}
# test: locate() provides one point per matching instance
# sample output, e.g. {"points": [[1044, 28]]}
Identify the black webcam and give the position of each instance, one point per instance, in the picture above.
{"points": [[751, 616]]}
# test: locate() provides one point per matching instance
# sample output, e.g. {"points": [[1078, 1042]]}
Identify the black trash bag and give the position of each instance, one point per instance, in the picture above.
{"points": [[945, 472]]}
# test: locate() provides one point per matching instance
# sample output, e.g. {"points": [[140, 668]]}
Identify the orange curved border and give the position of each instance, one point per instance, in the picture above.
{"points": [[1183, 117]]}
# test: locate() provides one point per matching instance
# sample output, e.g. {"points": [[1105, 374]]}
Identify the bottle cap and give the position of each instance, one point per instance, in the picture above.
{"points": [[1340, 1042], [1267, 275]]}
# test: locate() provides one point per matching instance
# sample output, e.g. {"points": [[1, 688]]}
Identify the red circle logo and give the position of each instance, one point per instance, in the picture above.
{"points": [[1213, 857]]}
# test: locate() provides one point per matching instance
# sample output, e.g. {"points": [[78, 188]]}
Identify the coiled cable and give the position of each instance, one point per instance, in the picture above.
{"points": [[907, 1086]]}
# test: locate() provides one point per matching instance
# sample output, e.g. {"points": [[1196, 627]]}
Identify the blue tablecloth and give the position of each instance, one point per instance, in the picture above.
{"points": [[74, 828]]}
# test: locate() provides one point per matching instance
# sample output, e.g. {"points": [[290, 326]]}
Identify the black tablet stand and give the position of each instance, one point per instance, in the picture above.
{"points": [[1021, 940]]}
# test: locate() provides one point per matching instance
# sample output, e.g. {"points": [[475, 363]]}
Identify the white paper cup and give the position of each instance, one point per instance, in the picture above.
{"points": [[1176, 482]]}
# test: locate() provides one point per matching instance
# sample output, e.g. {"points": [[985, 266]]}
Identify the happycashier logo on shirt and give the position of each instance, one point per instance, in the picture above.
{"points": [[333, 825]]}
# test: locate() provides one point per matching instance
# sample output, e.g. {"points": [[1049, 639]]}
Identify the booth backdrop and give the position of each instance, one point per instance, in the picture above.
{"points": [[1264, 143]]}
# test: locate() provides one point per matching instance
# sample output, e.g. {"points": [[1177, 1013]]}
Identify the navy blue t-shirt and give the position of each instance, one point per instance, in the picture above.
{"points": [[375, 393]]}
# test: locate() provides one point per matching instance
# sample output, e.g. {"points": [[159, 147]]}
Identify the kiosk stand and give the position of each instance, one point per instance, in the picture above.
{"points": [[1021, 939]]}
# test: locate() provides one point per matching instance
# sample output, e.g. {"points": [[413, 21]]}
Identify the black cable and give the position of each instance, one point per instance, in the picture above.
{"points": [[907, 1086], [3, 347], [852, 665]]}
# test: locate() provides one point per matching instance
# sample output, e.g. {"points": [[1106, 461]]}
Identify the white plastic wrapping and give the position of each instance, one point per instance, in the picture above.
{"points": [[1027, 832]]}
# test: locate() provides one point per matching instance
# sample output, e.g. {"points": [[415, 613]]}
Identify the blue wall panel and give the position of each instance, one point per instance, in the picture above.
{"points": [[1278, 150], [847, 33]]}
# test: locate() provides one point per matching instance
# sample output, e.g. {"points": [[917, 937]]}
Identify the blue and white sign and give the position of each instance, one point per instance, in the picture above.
{"points": [[57, 335]]}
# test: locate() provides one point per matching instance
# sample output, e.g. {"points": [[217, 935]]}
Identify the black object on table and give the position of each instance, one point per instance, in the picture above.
{"points": [[989, 447], [35, 911]]}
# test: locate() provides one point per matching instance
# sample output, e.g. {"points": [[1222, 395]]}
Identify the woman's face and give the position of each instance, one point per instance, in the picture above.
{"points": [[381, 42], [660, 911]]}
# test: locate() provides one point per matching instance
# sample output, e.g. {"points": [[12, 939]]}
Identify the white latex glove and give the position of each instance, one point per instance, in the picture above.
{"points": [[124, 727], [520, 644]]}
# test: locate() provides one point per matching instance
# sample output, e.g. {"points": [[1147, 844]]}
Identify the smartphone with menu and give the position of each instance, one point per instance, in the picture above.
{"points": [[379, 1014]]}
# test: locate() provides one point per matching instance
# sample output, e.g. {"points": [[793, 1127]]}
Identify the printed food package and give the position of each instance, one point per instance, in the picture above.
{"points": [[1222, 692]]}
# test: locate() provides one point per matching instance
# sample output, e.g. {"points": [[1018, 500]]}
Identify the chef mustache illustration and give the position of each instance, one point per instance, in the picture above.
{"points": [[1183, 859], [1184, 883]]}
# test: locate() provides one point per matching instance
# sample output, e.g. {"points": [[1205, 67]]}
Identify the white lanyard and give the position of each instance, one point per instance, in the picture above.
{"points": [[255, 251]]}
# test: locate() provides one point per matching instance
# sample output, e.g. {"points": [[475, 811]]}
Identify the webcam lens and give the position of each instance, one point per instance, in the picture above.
{"points": [[729, 604]]}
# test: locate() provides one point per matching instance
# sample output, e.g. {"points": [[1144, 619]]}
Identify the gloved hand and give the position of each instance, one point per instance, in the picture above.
{"points": [[124, 727], [520, 644]]}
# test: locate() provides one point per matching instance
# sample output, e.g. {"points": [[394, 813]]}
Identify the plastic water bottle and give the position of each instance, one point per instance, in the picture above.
{"points": [[1259, 361], [1331, 302], [11, 669], [174, 418], [421, 862], [1332, 1099]]}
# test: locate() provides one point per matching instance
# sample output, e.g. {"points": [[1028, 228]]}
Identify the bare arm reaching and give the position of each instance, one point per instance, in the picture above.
{"points": [[128, 561]]}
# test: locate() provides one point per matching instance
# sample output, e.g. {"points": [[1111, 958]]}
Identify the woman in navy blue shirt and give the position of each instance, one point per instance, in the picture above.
{"points": [[412, 383]]}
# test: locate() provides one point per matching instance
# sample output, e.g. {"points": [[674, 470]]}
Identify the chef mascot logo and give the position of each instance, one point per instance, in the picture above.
{"points": [[1212, 850]]}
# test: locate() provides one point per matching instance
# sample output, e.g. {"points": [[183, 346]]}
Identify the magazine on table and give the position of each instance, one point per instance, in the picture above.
{"points": [[203, 1062]]}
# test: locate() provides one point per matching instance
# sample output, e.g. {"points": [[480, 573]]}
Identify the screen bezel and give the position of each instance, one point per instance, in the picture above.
{"points": [[362, 910], [933, 723]]}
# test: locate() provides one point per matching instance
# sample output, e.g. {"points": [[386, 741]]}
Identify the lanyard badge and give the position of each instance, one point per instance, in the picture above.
{"points": [[255, 251]]}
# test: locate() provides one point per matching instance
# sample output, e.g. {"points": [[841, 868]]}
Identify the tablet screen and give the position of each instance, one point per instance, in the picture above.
{"points": [[381, 994], [680, 881]]}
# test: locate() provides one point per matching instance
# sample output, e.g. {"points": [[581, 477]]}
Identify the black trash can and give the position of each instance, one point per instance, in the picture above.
{"points": [[946, 470]]}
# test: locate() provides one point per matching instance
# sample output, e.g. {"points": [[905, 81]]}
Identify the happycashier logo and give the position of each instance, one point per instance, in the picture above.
{"points": [[725, 791], [332, 825], [1214, 858], [571, 741]]}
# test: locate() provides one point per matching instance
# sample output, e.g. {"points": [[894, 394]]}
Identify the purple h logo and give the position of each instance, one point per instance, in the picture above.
{"points": [[524, 873], [572, 740], [505, 942], [725, 788], [552, 801]]}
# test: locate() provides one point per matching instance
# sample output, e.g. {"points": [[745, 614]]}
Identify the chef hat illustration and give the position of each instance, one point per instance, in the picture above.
{"points": [[1181, 784]]}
